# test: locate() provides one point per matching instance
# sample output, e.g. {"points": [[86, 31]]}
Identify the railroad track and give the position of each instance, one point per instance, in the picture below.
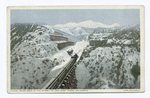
{"points": [[69, 81], [57, 81]]}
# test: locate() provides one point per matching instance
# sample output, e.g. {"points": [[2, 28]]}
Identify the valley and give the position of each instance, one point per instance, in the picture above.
{"points": [[109, 55]]}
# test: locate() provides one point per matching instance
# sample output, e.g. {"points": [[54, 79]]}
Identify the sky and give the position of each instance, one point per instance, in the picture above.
{"points": [[63, 16]]}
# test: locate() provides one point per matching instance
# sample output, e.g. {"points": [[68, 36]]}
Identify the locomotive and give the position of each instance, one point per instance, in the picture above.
{"points": [[55, 82]]}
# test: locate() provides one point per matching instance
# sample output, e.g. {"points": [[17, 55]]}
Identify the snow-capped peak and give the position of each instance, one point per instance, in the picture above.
{"points": [[91, 24], [115, 25], [49, 28], [71, 24], [86, 24]]}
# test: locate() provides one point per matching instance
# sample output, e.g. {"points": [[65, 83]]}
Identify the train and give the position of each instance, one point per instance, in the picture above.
{"points": [[55, 82]]}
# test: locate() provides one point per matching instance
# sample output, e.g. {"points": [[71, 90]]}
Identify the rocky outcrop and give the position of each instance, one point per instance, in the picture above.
{"points": [[58, 38], [70, 82], [64, 44]]}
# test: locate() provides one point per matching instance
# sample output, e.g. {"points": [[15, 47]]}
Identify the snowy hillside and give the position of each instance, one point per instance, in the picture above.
{"points": [[113, 65], [32, 55], [109, 68], [128, 35], [109, 63], [79, 31]]}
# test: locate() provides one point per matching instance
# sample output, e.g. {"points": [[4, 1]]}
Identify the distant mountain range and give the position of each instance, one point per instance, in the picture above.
{"points": [[82, 29], [79, 31], [86, 24]]}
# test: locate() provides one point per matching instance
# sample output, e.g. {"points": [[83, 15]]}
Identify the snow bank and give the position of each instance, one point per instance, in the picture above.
{"points": [[77, 48], [103, 68], [33, 59], [82, 76]]}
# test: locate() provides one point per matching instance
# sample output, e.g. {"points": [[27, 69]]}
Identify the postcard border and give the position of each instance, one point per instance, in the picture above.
{"points": [[142, 47]]}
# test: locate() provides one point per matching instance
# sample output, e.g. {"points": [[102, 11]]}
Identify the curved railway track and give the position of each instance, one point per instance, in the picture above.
{"points": [[56, 82]]}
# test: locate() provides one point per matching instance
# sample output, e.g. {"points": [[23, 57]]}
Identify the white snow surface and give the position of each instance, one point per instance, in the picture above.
{"points": [[79, 31], [37, 59], [33, 59], [67, 30], [87, 24], [77, 48], [98, 70], [75, 29]]}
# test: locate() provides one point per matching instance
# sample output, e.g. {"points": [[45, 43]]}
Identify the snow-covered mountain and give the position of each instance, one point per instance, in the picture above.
{"points": [[86, 24], [79, 29], [112, 66], [109, 68], [32, 55]]}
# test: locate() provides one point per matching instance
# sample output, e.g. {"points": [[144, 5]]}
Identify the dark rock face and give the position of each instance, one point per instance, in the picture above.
{"points": [[64, 44], [98, 43], [58, 38], [135, 71], [70, 81], [63, 41], [57, 33]]}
